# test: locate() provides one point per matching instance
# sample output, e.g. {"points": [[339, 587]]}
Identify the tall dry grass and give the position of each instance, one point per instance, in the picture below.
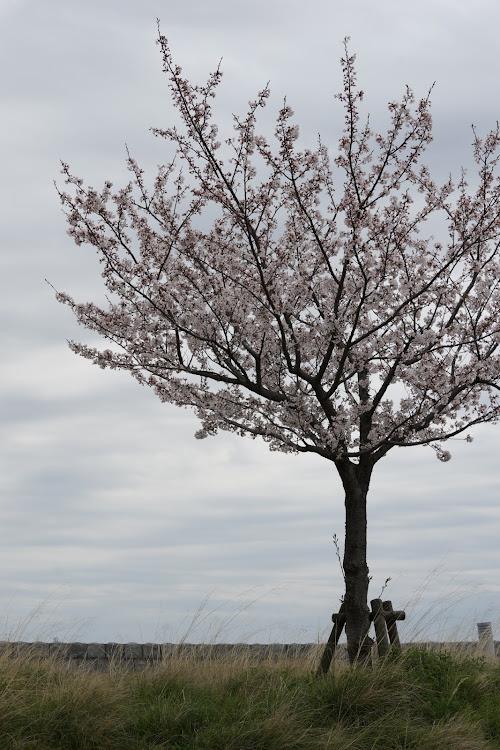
{"points": [[421, 700]]}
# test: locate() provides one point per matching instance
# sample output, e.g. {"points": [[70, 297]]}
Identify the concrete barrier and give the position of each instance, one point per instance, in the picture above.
{"points": [[138, 656]]}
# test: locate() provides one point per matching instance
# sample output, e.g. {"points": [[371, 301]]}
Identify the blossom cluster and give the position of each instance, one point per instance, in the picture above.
{"points": [[311, 313]]}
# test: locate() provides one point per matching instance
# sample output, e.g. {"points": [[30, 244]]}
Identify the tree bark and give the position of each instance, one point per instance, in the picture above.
{"points": [[356, 481]]}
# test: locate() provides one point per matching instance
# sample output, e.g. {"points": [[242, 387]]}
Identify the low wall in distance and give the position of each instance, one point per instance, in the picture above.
{"points": [[138, 656]]}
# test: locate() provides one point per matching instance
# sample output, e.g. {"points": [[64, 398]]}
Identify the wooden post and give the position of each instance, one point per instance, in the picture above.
{"points": [[331, 645], [391, 617], [380, 627]]}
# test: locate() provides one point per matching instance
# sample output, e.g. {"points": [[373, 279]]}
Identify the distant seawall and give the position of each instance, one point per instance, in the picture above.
{"points": [[138, 656]]}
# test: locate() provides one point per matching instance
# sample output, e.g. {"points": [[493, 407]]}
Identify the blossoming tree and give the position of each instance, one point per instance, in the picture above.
{"points": [[309, 307]]}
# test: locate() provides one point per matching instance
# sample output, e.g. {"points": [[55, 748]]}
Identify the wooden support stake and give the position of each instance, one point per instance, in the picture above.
{"points": [[384, 618], [331, 645], [391, 618], [379, 622]]}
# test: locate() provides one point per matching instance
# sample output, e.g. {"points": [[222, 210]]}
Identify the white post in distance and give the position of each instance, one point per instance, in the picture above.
{"points": [[485, 637]]}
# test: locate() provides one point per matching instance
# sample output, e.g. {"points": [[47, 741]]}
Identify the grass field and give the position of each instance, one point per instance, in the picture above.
{"points": [[424, 700]]}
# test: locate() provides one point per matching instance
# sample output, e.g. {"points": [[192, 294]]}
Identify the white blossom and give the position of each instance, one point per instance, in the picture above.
{"points": [[310, 312]]}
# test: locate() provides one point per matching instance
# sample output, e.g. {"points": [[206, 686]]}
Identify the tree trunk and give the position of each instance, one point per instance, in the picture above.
{"points": [[356, 480]]}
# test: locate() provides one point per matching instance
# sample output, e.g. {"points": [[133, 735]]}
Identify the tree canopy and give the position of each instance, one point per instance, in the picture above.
{"points": [[317, 315]]}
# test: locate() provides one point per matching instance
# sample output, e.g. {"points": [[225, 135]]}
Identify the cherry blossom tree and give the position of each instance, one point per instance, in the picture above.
{"points": [[285, 295]]}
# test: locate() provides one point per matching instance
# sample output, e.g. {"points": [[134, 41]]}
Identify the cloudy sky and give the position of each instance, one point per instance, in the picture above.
{"points": [[116, 524]]}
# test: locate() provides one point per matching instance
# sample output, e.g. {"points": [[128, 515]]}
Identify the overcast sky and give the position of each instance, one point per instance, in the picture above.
{"points": [[116, 524]]}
